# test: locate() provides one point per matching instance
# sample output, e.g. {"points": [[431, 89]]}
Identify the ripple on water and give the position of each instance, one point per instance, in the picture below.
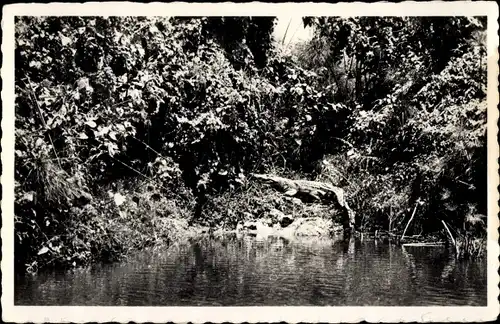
{"points": [[272, 271]]}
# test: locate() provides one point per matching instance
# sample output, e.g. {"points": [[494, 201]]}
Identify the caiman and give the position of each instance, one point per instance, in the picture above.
{"points": [[318, 191]]}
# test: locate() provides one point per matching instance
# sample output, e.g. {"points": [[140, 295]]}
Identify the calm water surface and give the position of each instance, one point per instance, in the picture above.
{"points": [[249, 271]]}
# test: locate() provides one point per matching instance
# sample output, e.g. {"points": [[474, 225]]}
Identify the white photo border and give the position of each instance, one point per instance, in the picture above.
{"points": [[12, 313]]}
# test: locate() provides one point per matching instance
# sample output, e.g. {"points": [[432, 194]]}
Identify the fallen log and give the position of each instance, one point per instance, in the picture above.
{"points": [[424, 244]]}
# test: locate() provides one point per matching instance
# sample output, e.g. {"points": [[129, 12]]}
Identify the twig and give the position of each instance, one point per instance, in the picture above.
{"points": [[32, 95], [149, 147], [138, 30], [465, 183], [451, 236], [344, 141], [140, 173], [407, 225], [295, 32], [390, 218], [46, 237], [286, 32], [120, 103]]}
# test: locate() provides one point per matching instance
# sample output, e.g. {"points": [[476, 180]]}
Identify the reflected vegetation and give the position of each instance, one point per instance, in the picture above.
{"points": [[244, 271]]}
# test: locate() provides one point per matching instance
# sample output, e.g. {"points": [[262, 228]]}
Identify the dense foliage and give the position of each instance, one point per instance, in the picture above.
{"points": [[416, 88], [127, 128]]}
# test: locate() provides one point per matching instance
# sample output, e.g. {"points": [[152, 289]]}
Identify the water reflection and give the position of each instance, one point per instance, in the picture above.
{"points": [[273, 271]]}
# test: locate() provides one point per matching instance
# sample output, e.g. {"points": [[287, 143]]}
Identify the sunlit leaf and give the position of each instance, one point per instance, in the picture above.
{"points": [[39, 142], [35, 64], [118, 199], [83, 83], [112, 135], [91, 123], [43, 250]]}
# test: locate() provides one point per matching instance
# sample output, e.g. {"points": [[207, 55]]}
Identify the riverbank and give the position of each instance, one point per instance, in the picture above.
{"points": [[128, 217]]}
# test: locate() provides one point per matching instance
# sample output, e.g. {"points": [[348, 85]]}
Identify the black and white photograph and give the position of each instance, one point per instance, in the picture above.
{"points": [[220, 156]]}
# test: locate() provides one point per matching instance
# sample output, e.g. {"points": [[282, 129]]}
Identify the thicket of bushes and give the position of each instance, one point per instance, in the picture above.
{"points": [[129, 128], [416, 88]]}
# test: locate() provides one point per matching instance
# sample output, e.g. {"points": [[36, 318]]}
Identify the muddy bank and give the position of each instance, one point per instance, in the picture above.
{"points": [[313, 226], [279, 224]]}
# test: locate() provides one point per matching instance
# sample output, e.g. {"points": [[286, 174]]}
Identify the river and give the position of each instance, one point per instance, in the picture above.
{"points": [[249, 271]]}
